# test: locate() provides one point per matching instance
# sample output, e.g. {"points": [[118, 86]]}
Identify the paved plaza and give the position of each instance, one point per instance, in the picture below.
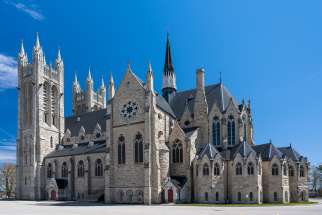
{"points": [[71, 208]]}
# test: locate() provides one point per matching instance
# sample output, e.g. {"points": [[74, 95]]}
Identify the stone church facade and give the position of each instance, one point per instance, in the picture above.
{"points": [[138, 146]]}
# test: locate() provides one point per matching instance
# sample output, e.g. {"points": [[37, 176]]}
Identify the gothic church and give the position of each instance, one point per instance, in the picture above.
{"points": [[132, 145]]}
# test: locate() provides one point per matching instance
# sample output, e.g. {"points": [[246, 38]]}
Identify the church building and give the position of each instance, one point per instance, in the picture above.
{"points": [[132, 145]]}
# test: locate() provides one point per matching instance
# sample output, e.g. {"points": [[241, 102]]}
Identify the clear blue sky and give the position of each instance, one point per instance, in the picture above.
{"points": [[268, 51]]}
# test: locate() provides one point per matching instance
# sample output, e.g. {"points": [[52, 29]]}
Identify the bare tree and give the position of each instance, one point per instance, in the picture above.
{"points": [[8, 179]]}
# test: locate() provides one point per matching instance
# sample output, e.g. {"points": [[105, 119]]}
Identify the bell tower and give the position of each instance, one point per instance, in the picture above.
{"points": [[40, 118]]}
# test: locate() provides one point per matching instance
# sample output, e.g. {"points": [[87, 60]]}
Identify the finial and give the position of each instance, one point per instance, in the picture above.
{"points": [[102, 85], [89, 76], [37, 45], [44, 59], [220, 79], [22, 50], [75, 78], [150, 67], [59, 56], [111, 78]]}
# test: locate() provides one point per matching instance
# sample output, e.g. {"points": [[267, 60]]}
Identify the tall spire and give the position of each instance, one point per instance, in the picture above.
{"points": [[58, 59], [149, 78], [75, 79], [168, 67], [169, 80]]}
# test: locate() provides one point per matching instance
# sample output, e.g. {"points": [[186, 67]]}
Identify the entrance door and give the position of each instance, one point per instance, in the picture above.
{"points": [[170, 195], [53, 195]]}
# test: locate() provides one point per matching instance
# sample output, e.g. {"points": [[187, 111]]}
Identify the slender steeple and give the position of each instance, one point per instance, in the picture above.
{"points": [[169, 80], [149, 78], [111, 88], [22, 50], [22, 57]]}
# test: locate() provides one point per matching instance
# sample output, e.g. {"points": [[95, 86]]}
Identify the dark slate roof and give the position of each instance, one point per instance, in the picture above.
{"points": [[290, 153], [88, 120], [83, 148], [216, 93], [244, 149], [189, 131], [267, 151], [179, 181], [164, 105], [208, 150]]}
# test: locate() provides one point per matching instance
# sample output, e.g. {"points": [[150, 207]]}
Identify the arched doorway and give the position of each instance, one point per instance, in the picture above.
{"points": [[170, 195], [53, 195]]}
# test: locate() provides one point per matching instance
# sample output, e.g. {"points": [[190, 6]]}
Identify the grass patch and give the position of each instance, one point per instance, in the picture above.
{"points": [[248, 205]]}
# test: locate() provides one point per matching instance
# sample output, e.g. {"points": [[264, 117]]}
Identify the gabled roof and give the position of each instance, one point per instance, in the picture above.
{"points": [[189, 131], [268, 151], [208, 150], [290, 153], [88, 120], [164, 105], [83, 148], [216, 93], [244, 149]]}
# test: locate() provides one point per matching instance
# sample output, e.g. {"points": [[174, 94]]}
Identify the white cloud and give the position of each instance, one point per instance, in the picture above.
{"points": [[8, 72], [31, 9]]}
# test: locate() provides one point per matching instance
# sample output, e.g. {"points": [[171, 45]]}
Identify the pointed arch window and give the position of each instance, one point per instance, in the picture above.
{"points": [[45, 101], [250, 168], [177, 152], [64, 170], [54, 105], [274, 169], [80, 169], [302, 171], [284, 169], [239, 169], [121, 150], [291, 171], [49, 171], [98, 167], [138, 148], [205, 170], [216, 169], [231, 130], [216, 131]]}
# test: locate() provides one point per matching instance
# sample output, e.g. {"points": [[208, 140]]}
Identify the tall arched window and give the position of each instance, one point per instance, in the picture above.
{"points": [[302, 171], [138, 149], [231, 130], [98, 167], [80, 169], [205, 169], [216, 131], [245, 131], [239, 169], [45, 97], [121, 150], [274, 169], [54, 105], [177, 152], [250, 168], [51, 142], [64, 170], [284, 169], [291, 171], [49, 171], [216, 169]]}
